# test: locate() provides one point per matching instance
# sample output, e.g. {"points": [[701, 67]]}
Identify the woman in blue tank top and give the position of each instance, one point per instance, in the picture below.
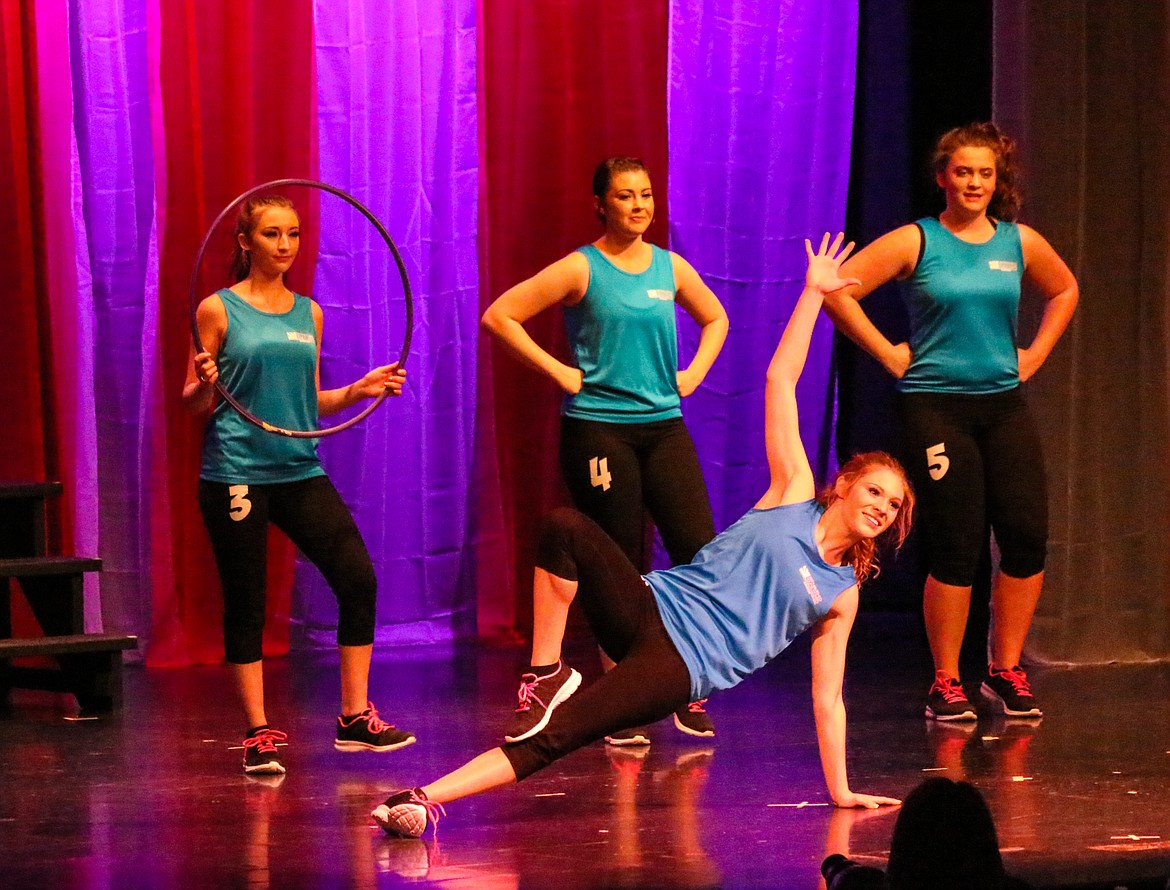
{"points": [[624, 450], [971, 446], [792, 563], [263, 341]]}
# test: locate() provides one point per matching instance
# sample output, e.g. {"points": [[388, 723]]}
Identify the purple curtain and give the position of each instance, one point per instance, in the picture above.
{"points": [[397, 129], [114, 215], [760, 104]]}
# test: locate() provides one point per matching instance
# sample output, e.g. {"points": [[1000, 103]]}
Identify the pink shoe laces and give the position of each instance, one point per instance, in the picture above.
{"points": [[950, 688], [1017, 678], [697, 707], [265, 740], [434, 810], [527, 693], [375, 723]]}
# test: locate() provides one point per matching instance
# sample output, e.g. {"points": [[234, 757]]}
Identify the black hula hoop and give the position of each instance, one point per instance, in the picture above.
{"points": [[193, 295]]}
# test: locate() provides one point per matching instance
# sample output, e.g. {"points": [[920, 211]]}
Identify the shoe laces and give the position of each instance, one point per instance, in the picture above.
{"points": [[433, 807], [527, 693], [948, 687], [265, 740], [1017, 678], [697, 707], [375, 723]]}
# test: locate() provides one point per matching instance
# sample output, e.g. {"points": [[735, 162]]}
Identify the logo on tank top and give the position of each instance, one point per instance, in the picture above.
{"points": [[299, 337], [658, 294], [1002, 265], [810, 585]]}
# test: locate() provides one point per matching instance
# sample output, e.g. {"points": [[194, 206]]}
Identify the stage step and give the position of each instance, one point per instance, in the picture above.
{"points": [[91, 664], [91, 667], [22, 516], [44, 566]]}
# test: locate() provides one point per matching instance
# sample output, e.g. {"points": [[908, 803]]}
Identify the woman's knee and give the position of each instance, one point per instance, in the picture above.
{"points": [[556, 547]]}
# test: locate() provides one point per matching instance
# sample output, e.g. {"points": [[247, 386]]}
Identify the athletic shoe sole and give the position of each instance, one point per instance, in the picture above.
{"points": [[273, 768], [682, 727], [945, 718], [403, 820], [567, 689], [626, 741], [353, 746], [995, 699]]}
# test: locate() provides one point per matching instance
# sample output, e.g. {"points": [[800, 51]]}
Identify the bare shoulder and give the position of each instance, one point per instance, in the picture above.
{"points": [[1031, 241], [893, 255], [211, 309]]}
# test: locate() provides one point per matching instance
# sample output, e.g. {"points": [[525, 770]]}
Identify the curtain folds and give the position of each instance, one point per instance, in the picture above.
{"points": [[471, 128], [1083, 89], [761, 110], [406, 146]]}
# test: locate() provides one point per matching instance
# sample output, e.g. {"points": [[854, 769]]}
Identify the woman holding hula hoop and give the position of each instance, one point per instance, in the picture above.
{"points": [[624, 449], [970, 442], [263, 341], [792, 563]]}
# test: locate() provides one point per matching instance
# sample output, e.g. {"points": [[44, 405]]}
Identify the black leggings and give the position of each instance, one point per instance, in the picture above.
{"points": [[618, 471], [650, 682], [975, 460], [317, 521]]}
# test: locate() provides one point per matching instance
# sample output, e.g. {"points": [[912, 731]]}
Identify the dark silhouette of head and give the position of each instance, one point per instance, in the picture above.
{"points": [[945, 838]]}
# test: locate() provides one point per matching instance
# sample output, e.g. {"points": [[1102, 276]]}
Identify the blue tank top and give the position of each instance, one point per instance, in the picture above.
{"points": [[748, 594], [623, 338], [963, 301], [268, 362]]}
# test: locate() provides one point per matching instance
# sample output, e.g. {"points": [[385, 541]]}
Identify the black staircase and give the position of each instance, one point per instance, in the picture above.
{"points": [[90, 665]]}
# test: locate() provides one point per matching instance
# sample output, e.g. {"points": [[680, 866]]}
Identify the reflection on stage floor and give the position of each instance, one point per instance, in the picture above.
{"points": [[156, 798]]}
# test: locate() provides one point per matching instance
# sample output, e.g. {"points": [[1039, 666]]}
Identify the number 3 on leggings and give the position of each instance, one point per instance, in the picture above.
{"points": [[937, 461], [240, 505]]}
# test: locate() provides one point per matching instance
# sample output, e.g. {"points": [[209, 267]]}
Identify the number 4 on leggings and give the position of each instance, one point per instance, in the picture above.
{"points": [[599, 473]]}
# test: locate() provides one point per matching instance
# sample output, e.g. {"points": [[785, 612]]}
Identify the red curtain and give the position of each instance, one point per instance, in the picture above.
{"points": [[238, 99], [21, 268], [540, 64]]}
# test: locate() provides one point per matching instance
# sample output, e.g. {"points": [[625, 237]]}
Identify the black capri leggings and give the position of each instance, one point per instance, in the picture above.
{"points": [[312, 514], [650, 681], [974, 460], [616, 472]]}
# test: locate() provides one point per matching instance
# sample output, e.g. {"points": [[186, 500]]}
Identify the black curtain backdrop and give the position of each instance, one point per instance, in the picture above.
{"points": [[1085, 86], [923, 67]]}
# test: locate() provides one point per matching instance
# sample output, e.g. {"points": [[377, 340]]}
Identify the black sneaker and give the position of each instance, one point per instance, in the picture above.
{"points": [[947, 700], [408, 813], [694, 719], [538, 697], [623, 737], [260, 754], [368, 732], [1010, 692]]}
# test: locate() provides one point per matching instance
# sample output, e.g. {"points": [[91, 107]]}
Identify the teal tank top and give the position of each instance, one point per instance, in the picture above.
{"points": [[963, 301], [623, 338], [268, 361], [748, 594]]}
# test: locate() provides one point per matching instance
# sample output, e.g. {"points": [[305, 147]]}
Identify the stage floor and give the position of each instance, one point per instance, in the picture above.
{"points": [[156, 798]]}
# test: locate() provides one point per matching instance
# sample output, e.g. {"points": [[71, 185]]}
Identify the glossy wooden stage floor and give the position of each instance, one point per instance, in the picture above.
{"points": [[155, 797]]}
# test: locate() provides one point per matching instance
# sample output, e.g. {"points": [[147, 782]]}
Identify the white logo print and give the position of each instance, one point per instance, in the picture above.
{"points": [[299, 337], [1002, 265], [810, 585], [657, 294], [599, 473], [937, 461], [240, 506]]}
